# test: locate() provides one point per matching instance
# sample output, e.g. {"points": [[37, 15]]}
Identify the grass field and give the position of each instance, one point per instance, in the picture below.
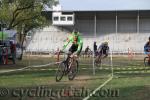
{"points": [[131, 80]]}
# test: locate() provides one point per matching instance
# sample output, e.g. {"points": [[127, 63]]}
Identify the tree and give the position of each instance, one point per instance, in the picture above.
{"points": [[24, 15]]}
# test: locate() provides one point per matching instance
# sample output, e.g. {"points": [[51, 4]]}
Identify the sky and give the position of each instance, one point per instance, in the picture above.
{"points": [[105, 4]]}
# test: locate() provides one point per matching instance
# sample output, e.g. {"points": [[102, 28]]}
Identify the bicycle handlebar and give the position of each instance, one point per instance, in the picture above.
{"points": [[63, 52], [68, 53]]}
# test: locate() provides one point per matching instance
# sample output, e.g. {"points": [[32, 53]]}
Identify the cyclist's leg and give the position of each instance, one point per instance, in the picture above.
{"points": [[75, 59], [105, 54], [96, 53], [100, 55], [72, 49], [69, 54], [74, 65]]}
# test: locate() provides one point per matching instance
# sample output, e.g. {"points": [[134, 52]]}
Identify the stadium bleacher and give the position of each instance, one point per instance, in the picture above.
{"points": [[51, 38]]}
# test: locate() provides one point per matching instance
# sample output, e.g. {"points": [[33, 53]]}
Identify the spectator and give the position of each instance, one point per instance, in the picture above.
{"points": [[87, 51], [95, 48], [13, 51], [57, 53], [18, 45], [5, 55]]}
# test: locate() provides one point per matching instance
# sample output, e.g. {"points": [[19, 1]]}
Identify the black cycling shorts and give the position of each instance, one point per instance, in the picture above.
{"points": [[74, 48], [103, 52]]}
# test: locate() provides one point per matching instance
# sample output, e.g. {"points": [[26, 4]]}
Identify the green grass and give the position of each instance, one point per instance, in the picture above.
{"points": [[134, 88], [131, 86]]}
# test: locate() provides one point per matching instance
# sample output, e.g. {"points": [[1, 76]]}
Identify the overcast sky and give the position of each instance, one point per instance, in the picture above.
{"points": [[105, 4]]}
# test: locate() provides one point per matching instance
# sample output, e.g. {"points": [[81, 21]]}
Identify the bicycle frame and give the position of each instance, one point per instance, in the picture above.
{"points": [[69, 57], [72, 60]]}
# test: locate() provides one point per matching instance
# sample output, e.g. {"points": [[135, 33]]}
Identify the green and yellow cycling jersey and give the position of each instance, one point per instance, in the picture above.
{"points": [[74, 40]]}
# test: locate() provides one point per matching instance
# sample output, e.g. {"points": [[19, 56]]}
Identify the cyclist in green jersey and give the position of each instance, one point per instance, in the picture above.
{"points": [[76, 41]]}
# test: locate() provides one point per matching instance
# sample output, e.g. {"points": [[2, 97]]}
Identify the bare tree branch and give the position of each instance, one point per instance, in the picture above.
{"points": [[17, 12]]}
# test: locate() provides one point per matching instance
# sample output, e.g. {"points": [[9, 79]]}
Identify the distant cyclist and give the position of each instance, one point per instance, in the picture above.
{"points": [[103, 50], [147, 49], [87, 51], [76, 41]]}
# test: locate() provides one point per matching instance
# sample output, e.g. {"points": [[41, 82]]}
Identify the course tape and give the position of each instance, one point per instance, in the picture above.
{"points": [[105, 68], [133, 72], [117, 68]]}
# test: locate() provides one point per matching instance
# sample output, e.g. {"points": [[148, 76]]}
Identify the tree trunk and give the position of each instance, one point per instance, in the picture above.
{"points": [[21, 42]]}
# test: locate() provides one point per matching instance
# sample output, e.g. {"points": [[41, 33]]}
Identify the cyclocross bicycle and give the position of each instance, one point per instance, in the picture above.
{"points": [[67, 67]]}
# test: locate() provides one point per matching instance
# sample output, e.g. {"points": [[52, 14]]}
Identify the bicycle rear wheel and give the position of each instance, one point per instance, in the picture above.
{"points": [[60, 71], [73, 70]]}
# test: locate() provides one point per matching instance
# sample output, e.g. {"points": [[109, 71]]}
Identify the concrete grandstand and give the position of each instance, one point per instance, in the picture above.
{"points": [[124, 29]]}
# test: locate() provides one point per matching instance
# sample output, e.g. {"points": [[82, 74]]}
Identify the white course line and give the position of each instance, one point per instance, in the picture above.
{"points": [[15, 70], [36, 66], [86, 98]]}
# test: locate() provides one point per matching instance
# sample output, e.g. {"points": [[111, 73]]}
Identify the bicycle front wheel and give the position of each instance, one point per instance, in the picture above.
{"points": [[73, 70], [60, 71]]}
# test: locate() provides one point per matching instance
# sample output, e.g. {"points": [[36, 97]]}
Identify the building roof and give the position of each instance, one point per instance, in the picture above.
{"points": [[104, 5]]}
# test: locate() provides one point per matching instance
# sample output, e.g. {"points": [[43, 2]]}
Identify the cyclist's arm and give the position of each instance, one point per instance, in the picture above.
{"points": [[99, 48], [80, 45], [67, 42], [145, 46]]}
